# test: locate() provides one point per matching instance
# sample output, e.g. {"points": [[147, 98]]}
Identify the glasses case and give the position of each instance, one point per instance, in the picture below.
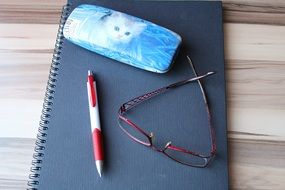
{"points": [[122, 37]]}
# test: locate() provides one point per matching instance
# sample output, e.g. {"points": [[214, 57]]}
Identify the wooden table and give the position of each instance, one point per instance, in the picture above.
{"points": [[255, 69]]}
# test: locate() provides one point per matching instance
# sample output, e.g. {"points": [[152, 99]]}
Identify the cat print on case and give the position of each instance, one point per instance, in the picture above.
{"points": [[122, 37], [115, 29]]}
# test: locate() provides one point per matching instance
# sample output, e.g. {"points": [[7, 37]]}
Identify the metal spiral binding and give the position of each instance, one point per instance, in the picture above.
{"points": [[47, 105]]}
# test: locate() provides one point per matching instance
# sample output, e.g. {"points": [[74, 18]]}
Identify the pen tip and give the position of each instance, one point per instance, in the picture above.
{"points": [[99, 166]]}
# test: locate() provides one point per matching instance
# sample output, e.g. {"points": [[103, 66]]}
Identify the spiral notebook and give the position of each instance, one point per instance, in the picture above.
{"points": [[63, 157]]}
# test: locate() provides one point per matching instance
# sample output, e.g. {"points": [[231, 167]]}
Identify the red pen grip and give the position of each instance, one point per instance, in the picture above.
{"points": [[98, 145]]}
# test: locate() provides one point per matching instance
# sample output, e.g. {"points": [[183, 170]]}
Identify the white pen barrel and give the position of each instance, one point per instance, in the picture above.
{"points": [[94, 111]]}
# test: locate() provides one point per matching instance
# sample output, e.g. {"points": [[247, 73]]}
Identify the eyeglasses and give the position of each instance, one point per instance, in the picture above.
{"points": [[178, 154]]}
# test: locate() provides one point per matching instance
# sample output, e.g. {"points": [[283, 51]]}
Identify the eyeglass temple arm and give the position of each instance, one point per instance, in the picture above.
{"points": [[196, 78], [134, 102], [212, 131]]}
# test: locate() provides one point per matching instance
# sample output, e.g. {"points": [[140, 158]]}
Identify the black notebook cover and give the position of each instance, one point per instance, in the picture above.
{"points": [[64, 158]]}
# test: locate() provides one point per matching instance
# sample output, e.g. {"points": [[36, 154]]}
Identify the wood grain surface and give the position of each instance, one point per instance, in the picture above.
{"points": [[255, 70]]}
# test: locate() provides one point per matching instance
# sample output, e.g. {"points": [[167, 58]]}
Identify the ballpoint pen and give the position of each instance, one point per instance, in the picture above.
{"points": [[95, 122]]}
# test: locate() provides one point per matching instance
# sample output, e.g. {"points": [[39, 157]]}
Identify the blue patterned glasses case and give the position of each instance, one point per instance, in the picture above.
{"points": [[122, 37]]}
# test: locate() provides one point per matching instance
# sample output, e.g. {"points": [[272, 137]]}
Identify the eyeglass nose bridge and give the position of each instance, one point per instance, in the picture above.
{"points": [[167, 145], [151, 138]]}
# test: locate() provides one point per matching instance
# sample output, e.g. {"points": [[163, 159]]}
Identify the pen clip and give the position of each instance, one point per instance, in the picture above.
{"points": [[92, 89]]}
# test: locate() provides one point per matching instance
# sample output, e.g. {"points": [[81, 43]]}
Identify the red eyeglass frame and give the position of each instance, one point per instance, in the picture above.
{"points": [[134, 102]]}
